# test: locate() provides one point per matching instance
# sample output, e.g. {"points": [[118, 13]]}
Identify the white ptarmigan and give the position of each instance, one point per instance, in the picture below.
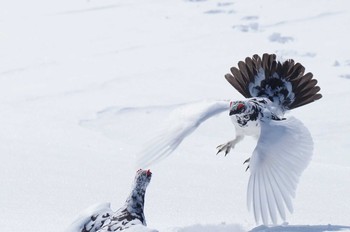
{"points": [[284, 146], [129, 218]]}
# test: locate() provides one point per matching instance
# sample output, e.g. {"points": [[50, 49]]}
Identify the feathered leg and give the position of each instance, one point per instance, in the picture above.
{"points": [[229, 145]]}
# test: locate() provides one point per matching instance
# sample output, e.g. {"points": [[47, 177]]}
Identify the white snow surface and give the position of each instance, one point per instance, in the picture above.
{"points": [[86, 83]]}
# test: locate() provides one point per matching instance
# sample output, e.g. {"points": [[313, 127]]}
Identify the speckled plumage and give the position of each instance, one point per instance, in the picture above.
{"points": [[284, 83], [102, 219], [271, 88], [284, 147]]}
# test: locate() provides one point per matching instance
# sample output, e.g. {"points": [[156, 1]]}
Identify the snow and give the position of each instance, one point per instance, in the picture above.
{"points": [[86, 83]]}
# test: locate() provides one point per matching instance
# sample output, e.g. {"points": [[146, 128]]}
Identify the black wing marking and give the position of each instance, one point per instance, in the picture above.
{"points": [[92, 219]]}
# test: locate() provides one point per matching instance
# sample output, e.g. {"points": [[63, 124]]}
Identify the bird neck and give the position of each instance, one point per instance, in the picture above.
{"points": [[263, 108], [136, 200]]}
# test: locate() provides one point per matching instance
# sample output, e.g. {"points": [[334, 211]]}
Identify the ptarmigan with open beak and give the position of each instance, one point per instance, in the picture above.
{"points": [[284, 146], [129, 218]]}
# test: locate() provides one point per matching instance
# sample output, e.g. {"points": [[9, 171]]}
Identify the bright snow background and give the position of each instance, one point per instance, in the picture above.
{"points": [[85, 83]]}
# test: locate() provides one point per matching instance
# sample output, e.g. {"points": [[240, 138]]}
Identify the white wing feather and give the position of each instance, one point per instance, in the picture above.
{"points": [[85, 217], [283, 151], [181, 123]]}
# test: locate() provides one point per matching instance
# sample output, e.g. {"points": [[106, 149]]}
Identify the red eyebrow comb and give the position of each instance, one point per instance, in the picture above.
{"points": [[240, 106], [148, 173]]}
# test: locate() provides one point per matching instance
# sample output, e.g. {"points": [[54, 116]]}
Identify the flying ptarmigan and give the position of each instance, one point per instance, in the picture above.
{"points": [[129, 218], [284, 146]]}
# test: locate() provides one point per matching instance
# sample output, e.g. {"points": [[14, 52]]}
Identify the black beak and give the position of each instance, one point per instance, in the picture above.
{"points": [[232, 112]]}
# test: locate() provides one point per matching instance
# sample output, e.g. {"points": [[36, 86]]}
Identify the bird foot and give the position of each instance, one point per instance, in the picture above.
{"points": [[226, 147], [247, 161]]}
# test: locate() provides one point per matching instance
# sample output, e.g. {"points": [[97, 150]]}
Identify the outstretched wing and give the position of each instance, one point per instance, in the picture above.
{"points": [[283, 83], [283, 151], [91, 219], [181, 123]]}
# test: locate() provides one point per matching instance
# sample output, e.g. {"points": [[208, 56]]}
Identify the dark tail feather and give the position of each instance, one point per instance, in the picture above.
{"points": [[283, 83]]}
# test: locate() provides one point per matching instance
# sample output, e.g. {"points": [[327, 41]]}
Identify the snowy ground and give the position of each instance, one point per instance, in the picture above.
{"points": [[85, 84]]}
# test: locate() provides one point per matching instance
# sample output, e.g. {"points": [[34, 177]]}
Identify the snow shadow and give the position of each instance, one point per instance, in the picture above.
{"points": [[238, 228], [300, 228], [346, 76], [212, 228], [277, 37], [251, 27]]}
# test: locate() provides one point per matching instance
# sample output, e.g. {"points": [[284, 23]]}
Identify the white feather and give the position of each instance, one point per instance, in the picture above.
{"points": [[85, 217], [182, 122], [283, 151]]}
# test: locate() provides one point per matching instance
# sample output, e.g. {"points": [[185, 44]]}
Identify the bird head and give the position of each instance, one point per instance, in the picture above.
{"points": [[142, 179], [237, 107]]}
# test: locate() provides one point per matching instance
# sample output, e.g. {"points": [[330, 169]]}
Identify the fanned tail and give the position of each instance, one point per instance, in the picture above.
{"points": [[283, 83]]}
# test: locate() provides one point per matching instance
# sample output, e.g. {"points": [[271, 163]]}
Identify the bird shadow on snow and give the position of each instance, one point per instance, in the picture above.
{"points": [[211, 228], [239, 228], [301, 228]]}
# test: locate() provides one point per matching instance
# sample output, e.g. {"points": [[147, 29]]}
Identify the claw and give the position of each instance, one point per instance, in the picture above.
{"points": [[246, 161], [227, 151], [224, 147], [220, 147]]}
